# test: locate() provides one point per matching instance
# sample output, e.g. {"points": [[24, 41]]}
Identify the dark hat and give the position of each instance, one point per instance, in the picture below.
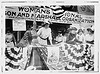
{"points": [[89, 30], [72, 28]]}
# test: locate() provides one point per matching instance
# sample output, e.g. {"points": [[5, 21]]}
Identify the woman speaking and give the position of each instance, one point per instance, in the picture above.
{"points": [[44, 33]]}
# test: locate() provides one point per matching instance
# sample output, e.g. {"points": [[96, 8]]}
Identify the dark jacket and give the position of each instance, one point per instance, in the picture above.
{"points": [[71, 39]]}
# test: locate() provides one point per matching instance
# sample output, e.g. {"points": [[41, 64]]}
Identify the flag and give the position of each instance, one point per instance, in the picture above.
{"points": [[86, 9]]}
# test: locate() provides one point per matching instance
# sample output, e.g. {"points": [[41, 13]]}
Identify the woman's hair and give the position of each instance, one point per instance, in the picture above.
{"points": [[43, 24]]}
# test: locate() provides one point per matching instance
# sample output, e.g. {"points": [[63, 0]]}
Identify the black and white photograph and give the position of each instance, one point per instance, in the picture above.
{"points": [[49, 37]]}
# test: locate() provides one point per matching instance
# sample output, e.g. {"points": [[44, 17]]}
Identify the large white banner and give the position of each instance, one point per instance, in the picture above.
{"points": [[39, 14], [28, 13]]}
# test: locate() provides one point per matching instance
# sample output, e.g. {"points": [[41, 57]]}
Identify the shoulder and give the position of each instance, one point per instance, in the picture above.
{"points": [[42, 28], [49, 29]]}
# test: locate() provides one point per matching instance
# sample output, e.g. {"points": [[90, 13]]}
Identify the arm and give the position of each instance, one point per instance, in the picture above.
{"points": [[69, 41], [26, 35], [39, 31], [56, 38], [64, 39], [14, 39], [24, 39], [67, 38], [76, 40], [50, 37]]}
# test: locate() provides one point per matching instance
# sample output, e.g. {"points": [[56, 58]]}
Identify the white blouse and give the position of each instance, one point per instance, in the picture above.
{"points": [[44, 33]]}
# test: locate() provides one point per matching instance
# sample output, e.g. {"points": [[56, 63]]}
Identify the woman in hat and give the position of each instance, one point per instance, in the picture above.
{"points": [[71, 36], [29, 37], [44, 33]]}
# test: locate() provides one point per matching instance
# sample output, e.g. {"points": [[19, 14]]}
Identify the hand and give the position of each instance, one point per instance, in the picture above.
{"points": [[51, 42]]}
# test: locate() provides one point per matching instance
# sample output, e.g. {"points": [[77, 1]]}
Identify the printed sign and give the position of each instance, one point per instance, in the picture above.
{"points": [[19, 25], [53, 55]]}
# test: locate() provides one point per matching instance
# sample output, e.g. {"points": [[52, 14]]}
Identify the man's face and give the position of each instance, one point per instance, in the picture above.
{"points": [[73, 32], [60, 34], [47, 25]]}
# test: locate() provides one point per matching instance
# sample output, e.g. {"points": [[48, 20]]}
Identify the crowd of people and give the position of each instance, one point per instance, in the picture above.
{"points": [[76, 36], [43, 34]]}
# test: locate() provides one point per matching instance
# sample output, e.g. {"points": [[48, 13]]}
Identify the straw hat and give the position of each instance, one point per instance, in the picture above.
{"points": [[46, 22]]}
